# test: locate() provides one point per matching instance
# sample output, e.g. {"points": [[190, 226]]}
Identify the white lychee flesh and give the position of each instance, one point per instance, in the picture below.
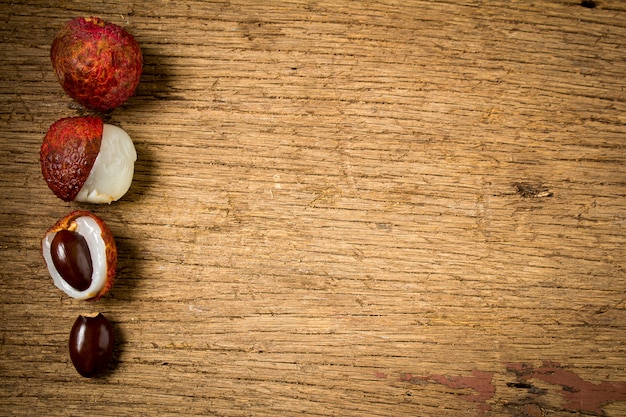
{"points": [[90, 230], [113, 170]]}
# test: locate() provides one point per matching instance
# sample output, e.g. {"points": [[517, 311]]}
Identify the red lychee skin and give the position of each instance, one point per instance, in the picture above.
{"points": [[97, 63], [68, 152], [109, 243]]}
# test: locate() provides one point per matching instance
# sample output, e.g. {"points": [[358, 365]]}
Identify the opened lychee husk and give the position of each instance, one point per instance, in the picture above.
{"points": [[85, 160], [98, 63], [81, 256]]}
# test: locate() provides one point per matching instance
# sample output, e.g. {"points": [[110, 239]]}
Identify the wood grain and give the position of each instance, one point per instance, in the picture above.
{"points": [[339, 208]]}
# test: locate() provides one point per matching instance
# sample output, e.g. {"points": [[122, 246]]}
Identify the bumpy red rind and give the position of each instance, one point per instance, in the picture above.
{"points": [[68, 152], [98, 63], [109, 241]]}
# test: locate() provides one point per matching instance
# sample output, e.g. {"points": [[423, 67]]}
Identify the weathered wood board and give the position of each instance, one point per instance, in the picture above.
{"points": [[340, 208]]}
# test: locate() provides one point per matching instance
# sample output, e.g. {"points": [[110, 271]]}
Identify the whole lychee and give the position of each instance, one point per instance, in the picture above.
{"points": [[98, 63], [82, 159]]}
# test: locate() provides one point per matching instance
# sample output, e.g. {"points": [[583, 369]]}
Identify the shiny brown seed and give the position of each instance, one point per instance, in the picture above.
{"points": [[72, 259], [91, 344]]}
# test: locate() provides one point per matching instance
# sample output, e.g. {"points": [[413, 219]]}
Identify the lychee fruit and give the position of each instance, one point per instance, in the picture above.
{"points": [[85, 160], [97, 63], [81, 256]]}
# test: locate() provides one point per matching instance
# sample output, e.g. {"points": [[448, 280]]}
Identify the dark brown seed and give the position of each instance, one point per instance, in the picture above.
{"points": [[72, 259], [91, 344]]}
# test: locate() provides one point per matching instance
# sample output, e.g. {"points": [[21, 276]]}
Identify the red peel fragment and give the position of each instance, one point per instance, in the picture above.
{"points": [[68, 152]]}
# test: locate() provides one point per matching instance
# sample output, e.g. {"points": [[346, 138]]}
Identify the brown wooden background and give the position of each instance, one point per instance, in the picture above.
{"points": [[340, 208]]}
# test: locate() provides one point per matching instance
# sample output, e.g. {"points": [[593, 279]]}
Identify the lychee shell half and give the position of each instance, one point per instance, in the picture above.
{"points": [[102, 249], [97, 63]]}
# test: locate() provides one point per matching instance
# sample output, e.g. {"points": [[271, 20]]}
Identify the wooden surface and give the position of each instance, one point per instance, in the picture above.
{"points": [[340, 208]]}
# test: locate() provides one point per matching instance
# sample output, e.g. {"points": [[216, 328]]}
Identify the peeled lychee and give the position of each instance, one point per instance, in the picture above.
{"points": [[83, 159], [81, 255], [98, 63]]}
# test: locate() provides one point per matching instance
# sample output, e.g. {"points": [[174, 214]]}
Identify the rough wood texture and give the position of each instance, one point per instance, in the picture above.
{"points": [[340, 208]]}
